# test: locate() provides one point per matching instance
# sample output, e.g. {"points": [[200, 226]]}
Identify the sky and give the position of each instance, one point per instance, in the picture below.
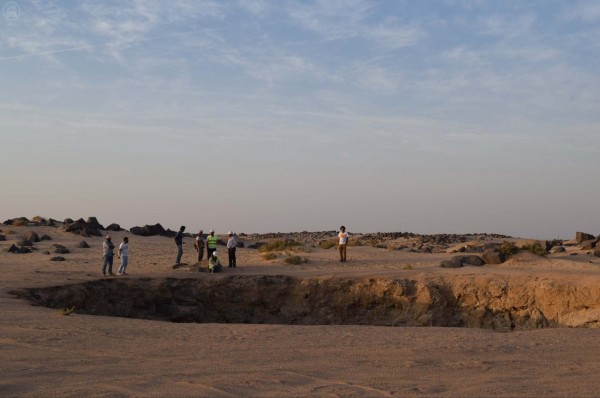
{"points": [[447, 116]]}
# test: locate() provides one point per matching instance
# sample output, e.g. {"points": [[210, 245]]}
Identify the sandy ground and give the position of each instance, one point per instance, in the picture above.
{"points": [[44, 354]]}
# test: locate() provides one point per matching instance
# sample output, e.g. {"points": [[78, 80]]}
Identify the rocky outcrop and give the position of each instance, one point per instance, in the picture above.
{"points": [[93, 222], [114, 227], [149, 230], [582, 236], [32, 237], [588, 244], [461, 261], [492, 256], [81, 227]]}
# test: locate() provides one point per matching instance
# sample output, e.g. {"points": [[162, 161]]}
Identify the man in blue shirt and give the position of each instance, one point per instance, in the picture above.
{"points": [[179, 243]]}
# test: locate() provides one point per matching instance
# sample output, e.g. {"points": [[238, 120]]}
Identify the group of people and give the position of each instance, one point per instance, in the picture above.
{"points": [[108, 253], [210, 243]]}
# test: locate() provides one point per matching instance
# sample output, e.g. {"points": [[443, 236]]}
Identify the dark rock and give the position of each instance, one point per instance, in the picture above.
{"points": [[60, 249], [425, 249], [450, 264], [7, 222], [558, 249], [492, 256], [460, 261], [57, 258], [239, 244], [588, 244], [45, 237], [2, 238], [597, 251], [25, 242], [32, 236], [80, 227], [46, 252], [93, 222], [582, 236], [256, 245], [23, 250], [68, 221], [149, 230], [13, 249], [83, 245], [573, 254], [221, 242], [114, 227]]}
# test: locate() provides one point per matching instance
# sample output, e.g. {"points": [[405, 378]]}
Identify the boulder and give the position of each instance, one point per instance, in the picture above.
{"points": [[114, 227], [68, 221], [57, 258], [492, 256], [149, 230], [23, 250], [2, 238], [25, 242], [83, 245], [597, 251], [450, 264], [60, 249], [32, 237], [582, 236], [425, 249], [13, 249], [80, 227], [45, 237], [93, 222], [588, 244], [460, 261], [557, 249], [239, 244]]}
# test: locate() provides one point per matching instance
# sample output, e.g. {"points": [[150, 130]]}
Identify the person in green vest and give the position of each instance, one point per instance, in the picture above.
{"points": [[211, 243], [214, 264]]}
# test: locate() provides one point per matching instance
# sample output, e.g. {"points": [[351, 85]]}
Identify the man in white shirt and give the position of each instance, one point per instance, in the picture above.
{"points": [[231, 245], [343, 236], [124, 256]]}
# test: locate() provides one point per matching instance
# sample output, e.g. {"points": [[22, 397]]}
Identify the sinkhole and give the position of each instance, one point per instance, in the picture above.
{"points": [[301, 301]]}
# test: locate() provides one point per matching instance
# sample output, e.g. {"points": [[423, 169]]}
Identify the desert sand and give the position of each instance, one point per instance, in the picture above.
{"points": [[44, 353]]}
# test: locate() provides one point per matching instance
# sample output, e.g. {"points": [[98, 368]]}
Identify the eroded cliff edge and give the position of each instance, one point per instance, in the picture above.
{"points": [[497, 302]]}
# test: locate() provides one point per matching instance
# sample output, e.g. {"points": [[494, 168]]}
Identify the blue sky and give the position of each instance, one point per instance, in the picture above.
{"points": [[252, 115]]}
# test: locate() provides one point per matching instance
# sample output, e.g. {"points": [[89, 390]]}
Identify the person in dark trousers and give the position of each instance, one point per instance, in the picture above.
{"points": [[343, 243], [108, 253], [179, 243], [199, 245], [211, 243], [231, 245]]}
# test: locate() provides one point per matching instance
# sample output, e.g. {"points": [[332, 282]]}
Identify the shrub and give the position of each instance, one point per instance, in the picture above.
{"points": [[327, 244], [535, 248], [355, 242], [508, 248], [269, 256], [278, 245], [295, 260], [65, 311]]}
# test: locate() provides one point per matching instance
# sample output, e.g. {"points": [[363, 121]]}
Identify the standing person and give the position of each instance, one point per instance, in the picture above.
{"points": [[179, 243], [124, 256], [231, 245], [343, 235], [214, 264], [107, 255], [199, 245], [211, 243]]}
